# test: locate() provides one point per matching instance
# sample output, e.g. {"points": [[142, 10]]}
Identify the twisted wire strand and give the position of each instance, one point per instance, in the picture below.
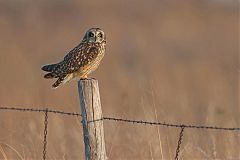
{"points": [[45, 132], [125, 120], [166, 124], [179, 143], [40, 110]]}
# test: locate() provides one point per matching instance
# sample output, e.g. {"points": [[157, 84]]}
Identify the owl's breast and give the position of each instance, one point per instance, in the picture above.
{"points": [[90, 59]]}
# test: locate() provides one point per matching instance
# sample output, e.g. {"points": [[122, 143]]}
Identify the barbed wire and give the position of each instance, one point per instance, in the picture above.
{"points": [[125, 120], [45, 132], [182, 126], [40, 110], [166, 124], [179, 143]]}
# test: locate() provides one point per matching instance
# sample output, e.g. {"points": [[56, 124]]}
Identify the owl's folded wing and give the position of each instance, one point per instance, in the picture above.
{"points": [[80, 58]]}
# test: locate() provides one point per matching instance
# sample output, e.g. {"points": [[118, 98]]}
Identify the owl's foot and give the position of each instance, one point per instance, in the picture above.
{"points": [[84, 77]]}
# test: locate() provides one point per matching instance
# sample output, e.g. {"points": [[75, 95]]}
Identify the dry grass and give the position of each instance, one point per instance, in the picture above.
{"points": [[12, 149], [172, 61]]}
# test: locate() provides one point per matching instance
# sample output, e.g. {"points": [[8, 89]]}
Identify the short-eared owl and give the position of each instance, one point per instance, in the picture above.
{"points": [[80, 61]]}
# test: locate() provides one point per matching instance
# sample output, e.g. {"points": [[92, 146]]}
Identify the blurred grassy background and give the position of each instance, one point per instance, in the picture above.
{"points": [[172, 61]]}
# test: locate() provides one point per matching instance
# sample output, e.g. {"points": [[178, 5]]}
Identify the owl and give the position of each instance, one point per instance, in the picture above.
{"points": [[80, 61]]}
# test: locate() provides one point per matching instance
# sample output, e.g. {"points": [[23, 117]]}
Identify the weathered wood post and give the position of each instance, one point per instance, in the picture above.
{"points": [[91, 110]]}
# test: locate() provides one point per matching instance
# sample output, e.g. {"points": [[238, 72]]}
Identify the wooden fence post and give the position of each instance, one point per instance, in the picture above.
{"points": [[91, 110]]}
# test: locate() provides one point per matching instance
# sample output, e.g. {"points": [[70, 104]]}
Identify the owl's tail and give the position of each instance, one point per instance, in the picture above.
{"points": [[62, 80], [58, 82], [49, 67]]}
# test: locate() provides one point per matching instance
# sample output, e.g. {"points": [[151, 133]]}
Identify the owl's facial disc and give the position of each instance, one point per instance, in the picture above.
{"points": [[95, 35], [99, 36], [91, 36]]}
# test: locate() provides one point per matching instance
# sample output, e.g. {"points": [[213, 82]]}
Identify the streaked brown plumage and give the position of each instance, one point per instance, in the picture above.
{"points": [[80, 61]]}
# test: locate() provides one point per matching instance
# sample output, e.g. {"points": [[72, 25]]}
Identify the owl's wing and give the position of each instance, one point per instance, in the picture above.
{"points": [[77, 58], [74, 51]]}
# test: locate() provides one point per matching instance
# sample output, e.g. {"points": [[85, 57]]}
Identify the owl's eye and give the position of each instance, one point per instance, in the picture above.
{"points": [[90, 34], [100, 35]]}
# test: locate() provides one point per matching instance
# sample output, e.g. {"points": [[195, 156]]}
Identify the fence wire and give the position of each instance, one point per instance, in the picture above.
{"points": [[181, 126], [45, 132], [168, 124], [179, 143], [40, 110]]}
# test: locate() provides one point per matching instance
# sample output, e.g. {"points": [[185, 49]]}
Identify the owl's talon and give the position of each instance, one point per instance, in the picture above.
{"points": [[84, 78]]}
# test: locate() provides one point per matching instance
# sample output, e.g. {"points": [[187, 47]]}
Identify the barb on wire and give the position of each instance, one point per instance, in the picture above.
{"points": [[179, 143], [45, 134]]}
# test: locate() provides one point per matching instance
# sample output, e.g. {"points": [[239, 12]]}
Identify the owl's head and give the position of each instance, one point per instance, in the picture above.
{"points": [[95, 35]]}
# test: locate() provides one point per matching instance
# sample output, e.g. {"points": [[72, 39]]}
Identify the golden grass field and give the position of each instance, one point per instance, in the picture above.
{"points": [[169, 61]]}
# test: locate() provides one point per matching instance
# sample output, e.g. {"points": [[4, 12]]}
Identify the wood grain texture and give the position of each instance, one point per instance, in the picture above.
{"points": [[91, 110]]}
